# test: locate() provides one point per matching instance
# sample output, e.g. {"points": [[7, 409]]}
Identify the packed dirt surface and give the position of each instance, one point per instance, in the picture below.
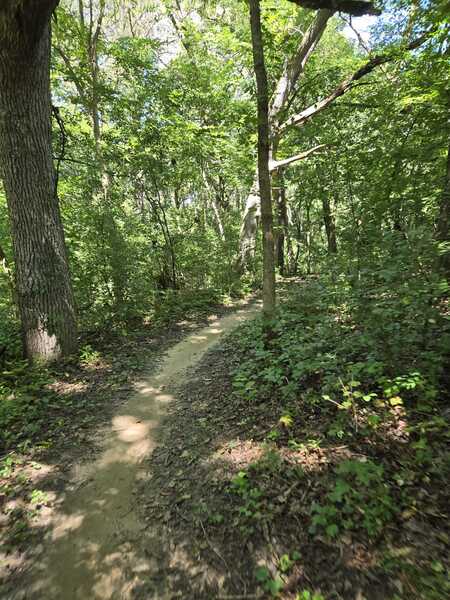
{"points": [[92, 548]]}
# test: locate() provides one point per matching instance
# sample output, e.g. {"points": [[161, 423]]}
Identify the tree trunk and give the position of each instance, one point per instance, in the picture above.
{"points": [[295, 220], [283, 92], [282, 219], [211, 198], [43, 286], [308, 238], [263, 162], [443, 224], [330, 226]]}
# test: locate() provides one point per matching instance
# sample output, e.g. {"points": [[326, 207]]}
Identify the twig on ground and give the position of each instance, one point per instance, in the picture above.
{"points": [[216, 552]]}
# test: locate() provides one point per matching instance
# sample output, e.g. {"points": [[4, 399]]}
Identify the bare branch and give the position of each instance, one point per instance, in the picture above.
{"points": [[274, 165], [361, 41], [347, 84], [294, 67]]}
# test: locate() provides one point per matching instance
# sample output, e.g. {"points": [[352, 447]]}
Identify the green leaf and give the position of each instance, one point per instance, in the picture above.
{"points": [[332, 530], [262, 574]]}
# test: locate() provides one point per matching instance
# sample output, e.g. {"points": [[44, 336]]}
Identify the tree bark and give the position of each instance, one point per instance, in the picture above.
{"points": [[443, 223], [43, 286], [279, 194], [263, 162], [330, 226]]}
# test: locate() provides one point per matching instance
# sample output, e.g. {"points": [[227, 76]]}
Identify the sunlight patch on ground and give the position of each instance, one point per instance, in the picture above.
{"points": [[65, 388], [65, 524], [237, 454]]}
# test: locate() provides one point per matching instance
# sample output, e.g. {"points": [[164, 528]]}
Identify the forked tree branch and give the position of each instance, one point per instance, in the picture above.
{"points": [[295, 66]]}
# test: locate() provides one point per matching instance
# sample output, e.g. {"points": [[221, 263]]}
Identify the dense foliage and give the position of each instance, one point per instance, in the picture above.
{"points": [[154, 138]]}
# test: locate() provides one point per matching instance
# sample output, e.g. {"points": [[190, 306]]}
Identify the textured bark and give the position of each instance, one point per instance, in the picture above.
{"points": [[43, 286], [263, 161]]}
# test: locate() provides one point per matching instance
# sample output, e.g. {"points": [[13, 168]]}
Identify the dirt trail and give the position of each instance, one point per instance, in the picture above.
{"points": [[92, 547]]}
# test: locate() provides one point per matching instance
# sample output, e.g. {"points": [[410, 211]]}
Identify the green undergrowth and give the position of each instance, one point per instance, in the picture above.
{"points": [[353, 389], [32, 409]]}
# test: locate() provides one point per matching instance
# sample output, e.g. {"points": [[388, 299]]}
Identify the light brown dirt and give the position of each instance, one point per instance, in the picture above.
{"points": [[91, 551]]}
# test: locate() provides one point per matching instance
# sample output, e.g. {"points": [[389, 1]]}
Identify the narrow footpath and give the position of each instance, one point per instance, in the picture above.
{"points": [[91, 548]]}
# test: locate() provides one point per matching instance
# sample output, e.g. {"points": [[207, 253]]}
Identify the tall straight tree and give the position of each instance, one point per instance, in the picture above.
{"points": [[263, 161], [43, 286], [284, 91]]}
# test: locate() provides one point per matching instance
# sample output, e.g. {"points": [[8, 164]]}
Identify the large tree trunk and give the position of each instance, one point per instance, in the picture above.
{"points": [[43, 286], [263, 162]]}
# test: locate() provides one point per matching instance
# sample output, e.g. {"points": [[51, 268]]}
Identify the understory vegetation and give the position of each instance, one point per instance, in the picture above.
{"points": [[319, 462], [358, 415], [142, 215]]}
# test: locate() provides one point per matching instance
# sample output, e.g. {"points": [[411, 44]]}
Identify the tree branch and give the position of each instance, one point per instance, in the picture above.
{"points": [[347, 84], [75, 80], [294, 67], [356, 8], [274, 165]]}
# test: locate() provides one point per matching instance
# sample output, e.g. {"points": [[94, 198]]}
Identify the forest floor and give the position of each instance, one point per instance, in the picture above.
{"points": [[197, 490], [69, 525], [232, 490]]}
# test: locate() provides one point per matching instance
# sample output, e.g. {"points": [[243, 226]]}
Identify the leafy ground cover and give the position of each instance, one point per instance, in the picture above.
{"points": [[313, 465]]}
